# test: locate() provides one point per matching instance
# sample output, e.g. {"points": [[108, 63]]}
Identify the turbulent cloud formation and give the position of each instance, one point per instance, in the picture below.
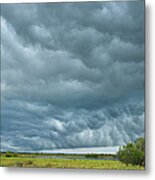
{"points": [[72, 74]]}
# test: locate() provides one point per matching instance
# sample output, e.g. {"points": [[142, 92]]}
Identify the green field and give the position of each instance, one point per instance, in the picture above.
{"points": [[33, 160]]}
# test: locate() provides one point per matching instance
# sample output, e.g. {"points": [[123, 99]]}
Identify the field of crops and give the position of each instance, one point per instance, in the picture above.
{"points": [[64, 163]]}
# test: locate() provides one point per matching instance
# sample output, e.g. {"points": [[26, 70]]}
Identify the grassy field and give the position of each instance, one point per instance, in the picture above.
{"points": [[29, 161]]}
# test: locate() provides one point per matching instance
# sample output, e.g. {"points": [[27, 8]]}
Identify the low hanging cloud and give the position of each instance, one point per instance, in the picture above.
{"points": [[72, 79]]}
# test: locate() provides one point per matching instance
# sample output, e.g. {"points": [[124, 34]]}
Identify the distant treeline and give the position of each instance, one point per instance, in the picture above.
{"points": [[99, 155], [29, 154]]}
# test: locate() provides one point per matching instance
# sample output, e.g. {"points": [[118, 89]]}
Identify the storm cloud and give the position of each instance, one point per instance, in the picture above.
{"points": [[72, 74]]}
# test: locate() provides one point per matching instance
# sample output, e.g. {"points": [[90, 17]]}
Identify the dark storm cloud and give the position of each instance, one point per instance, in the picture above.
{"points": [[37, 127], [72, 74]]}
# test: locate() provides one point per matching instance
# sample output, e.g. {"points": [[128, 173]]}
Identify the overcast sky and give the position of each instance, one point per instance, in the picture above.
{"points": [[72, 75]]}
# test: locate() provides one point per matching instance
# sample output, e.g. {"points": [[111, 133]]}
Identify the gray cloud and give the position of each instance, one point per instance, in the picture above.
{"points": [[38, 127], [72, 79]]}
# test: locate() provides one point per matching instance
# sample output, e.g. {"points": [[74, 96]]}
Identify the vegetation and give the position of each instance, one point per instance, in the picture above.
{"points": [[9, 154], [37, 160], [100, 156], [131, 156], [133, 153], [65, 163]]}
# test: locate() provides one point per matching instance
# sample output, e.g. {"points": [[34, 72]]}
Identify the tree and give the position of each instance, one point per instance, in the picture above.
{"points": [[140, 144], [133, 153], [8, 154]]}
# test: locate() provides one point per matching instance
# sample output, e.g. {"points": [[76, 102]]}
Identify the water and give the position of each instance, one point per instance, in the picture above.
{"points": [[76, 157]]}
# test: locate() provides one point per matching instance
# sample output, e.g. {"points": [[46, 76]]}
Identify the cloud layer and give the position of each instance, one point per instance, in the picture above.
{"points": [[72, 74]]}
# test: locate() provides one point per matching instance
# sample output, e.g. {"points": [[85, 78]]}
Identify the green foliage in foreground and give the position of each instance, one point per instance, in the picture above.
{"points": [[65, 163], [133, 153]]}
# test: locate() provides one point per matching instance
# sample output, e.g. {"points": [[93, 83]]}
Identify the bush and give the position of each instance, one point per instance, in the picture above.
{"points": [[29, 162], [133, 153], [91, 156], [15, 155], [19, 164], [8, 154], [11, 154], [48, 165]]}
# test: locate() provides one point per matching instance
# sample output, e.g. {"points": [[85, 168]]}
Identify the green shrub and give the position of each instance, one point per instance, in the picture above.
{"points": [[133, 153], [15, 155], [91, 156], [8, 154], [19, 164], [28, 162], [48, 165]]}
